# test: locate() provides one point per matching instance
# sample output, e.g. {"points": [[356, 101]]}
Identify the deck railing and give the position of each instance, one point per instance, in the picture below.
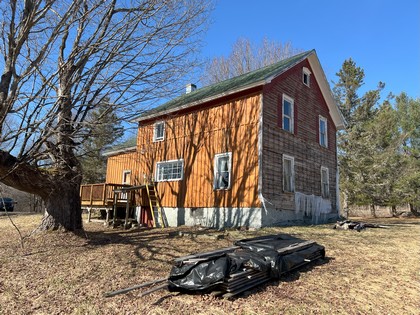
{"points": [[101, 194]]}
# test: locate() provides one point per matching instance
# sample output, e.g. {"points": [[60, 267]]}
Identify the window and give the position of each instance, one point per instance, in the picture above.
{"points": [[222, 171], [287, 117], [288, 173], [306, 76], [159, 131], [325, 184], [126, 177], [323, 128], [169, 170]]}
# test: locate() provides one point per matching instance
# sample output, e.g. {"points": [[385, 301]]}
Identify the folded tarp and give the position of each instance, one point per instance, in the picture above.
{"points": [[273, 255]]}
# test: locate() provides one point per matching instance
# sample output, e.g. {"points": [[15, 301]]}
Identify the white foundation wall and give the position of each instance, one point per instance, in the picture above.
{"points": [[309, 210], [214, 217]]}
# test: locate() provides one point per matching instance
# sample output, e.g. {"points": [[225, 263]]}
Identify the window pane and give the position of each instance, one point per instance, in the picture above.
{"points": [[159, 131], [287, 114], [286, 123], [323, 132], [286, 108], [322, 126], [169, 171], [222, 172]]}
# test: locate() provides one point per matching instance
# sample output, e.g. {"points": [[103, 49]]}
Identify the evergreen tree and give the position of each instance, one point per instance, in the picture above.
{"points": [[408, 186], [104, 129], [379, 151], [350, 79], [357, 144]]}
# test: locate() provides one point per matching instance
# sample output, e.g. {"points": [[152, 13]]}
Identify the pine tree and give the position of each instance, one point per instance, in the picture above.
{"points": [[104, 129], [408, 186], [379, 151], [356, 144]]}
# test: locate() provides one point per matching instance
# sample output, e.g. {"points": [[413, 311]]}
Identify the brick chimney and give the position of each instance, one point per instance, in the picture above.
{"points": [[190, 88]]}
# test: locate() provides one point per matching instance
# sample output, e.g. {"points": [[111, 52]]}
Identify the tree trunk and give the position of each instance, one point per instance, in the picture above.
{"points": [[62, 208], [372, 210], [346, 205], [59, 188], [414, 210]]}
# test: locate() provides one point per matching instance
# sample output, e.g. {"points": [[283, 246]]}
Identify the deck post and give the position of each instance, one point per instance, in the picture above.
{"points": [[115, 208], [127, 209], [107, 216], [89, 209]]}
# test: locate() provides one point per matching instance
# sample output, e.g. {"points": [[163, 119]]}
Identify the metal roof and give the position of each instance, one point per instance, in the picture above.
{"points": [[223, 88], [246, 81]]}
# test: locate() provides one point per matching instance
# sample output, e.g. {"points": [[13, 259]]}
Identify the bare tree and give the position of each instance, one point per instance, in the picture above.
{"points": [[245, 57], [61, 59]]}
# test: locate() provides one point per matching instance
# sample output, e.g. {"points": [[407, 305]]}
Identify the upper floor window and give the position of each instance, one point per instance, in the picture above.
{"points": [[288, 173], [159, 131], [126, 180], [325, 183], [169, 170], [306, 76], [222, 170], [287, 113], [323, 132]]}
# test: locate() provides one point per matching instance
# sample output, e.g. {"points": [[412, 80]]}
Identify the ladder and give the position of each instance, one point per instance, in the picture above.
{"points": [[154, 203]]}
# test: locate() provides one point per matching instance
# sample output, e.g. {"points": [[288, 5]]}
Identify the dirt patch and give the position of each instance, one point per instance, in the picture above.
{"points": [[375, 271]]}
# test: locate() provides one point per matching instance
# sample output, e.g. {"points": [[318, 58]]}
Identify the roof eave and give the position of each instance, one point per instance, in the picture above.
{"points": [[116, 152], [319, 73], [202, 101]]}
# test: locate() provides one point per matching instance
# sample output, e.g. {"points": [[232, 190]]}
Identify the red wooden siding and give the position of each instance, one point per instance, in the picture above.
{"points": [[196, 137], [303, 145]]}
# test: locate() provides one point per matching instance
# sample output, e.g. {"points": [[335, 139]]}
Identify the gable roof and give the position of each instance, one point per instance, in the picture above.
{"points": [[244, 82]]}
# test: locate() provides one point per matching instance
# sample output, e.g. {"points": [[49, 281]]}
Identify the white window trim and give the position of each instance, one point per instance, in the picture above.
{"points": [[168, 162], [216, 157], [292, 184], [292, 111], [155, 138], [307, 72], [325, 194], [125, 172], [321, 118]]}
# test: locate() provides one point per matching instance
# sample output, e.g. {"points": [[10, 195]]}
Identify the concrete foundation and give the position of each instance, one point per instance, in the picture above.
{"points": [[236, 217]]}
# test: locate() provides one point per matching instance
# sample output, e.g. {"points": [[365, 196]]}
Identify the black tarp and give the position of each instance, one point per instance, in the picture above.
{"points": [[274, 254]]}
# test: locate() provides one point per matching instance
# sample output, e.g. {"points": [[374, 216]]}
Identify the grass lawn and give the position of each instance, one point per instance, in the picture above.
{"points": [[375, 271]]}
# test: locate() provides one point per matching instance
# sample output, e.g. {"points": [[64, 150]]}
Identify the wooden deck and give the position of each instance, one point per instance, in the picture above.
{"points": [[101, 195], [109, 197]]}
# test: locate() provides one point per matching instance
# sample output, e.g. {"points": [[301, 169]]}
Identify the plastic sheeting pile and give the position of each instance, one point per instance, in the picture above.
{"points": [[251, 262]]}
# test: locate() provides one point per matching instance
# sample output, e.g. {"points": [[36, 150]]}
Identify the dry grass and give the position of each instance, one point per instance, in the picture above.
{"points": [[372, 272]]}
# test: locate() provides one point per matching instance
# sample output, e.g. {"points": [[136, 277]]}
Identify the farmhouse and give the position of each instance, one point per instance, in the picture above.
{"points": [[255, 150]]}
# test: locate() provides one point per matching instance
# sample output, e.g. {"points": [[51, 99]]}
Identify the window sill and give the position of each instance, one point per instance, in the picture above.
{"points": [[168, 180]]}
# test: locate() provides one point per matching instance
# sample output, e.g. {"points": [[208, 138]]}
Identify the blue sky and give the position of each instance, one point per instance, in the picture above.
{"points": [[381, 36]]}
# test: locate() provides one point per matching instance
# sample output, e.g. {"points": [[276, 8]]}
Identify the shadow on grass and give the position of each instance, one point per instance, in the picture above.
{"points": [[157, 245], [161, 245]]}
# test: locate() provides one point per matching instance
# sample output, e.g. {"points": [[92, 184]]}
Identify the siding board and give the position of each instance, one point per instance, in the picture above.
{"points": [[196, 137]]}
